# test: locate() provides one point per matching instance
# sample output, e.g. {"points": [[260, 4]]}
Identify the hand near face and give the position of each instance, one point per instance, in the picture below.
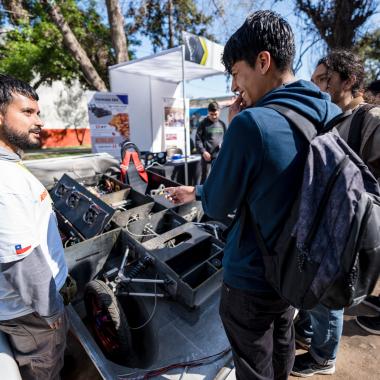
{"points": [[180, 194], [237, 106]]}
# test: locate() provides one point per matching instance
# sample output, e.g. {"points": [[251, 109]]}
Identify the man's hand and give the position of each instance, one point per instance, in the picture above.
{"points": [[206, 156], [180, 194], [56, 324], [237, 106]]}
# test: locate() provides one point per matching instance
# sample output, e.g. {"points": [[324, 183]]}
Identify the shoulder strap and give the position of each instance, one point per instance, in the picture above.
{"points": [[354, 134], [307, 129], [304, 126]]}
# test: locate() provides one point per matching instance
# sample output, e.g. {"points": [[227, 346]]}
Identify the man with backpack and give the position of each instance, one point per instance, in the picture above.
{"points": [[258, 173], [319, 330]]}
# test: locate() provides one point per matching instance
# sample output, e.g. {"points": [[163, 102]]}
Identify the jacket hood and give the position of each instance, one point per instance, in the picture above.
{"points": [[305, 98], [7, 155]]}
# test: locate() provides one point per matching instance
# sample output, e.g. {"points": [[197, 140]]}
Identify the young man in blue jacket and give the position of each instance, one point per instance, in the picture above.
{"points": [[258, 171]]}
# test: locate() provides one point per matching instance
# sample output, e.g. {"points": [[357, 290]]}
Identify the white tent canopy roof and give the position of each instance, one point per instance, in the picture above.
{"points": [[167, 66]]}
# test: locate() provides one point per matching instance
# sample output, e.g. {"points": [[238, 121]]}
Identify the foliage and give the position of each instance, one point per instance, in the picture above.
{"points": [[34, 49], [337, 22], [163, 21], [368, 47]]}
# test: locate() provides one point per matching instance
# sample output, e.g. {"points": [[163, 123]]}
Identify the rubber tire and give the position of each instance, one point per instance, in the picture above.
{"points": [[108, 302]]}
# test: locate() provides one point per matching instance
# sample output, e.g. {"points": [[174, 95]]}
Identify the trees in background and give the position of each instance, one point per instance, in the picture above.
{"points": [[163, 21], [47, 40], [33, 47], [340, 24], [368, 48]]}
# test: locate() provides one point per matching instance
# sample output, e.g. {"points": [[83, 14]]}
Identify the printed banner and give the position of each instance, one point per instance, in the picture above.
{"points": [[203, 51], [174, 123], [109, 122]]}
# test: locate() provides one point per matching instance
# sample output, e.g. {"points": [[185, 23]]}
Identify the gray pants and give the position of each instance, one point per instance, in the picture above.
{"points": [[37, 348]]}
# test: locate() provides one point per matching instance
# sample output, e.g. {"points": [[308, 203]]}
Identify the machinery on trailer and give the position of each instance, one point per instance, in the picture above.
{"points": [[148, 272]]}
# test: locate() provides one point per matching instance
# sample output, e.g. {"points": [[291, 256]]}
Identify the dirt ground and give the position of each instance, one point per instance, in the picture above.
{"points": [[358, 357], [359, 352]]}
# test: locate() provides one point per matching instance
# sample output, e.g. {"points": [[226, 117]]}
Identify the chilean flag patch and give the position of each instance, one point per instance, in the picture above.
{"points": [[20, 250]]}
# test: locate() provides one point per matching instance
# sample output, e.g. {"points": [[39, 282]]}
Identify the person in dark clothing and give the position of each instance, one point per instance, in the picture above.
{"points": [[258, 173], [319, 330], [209, 138]]}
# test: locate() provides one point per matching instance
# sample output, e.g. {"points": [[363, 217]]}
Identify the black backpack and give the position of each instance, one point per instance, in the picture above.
{"points": [[329, 248]]}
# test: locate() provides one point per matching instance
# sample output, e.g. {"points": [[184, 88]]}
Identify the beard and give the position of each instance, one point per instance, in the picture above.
{"points": [[21, 140]]}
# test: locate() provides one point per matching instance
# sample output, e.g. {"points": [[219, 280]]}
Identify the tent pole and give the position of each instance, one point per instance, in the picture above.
{"points": [[184, 115]]}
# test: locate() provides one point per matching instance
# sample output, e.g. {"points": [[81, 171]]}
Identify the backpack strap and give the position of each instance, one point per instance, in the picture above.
{"points": [[308, 130], [354, 134], [304, 126]]}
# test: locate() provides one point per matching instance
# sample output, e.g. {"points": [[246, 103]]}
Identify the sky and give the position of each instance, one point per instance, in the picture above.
{"points": [[236, 12]]}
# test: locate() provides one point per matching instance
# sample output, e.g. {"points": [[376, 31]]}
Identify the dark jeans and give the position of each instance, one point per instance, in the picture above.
{"points": [[37, 348], [205, 167], [260, 330]]}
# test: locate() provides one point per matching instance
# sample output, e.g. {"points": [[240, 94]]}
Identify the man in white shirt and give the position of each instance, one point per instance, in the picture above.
{"points": [[32, 263]]}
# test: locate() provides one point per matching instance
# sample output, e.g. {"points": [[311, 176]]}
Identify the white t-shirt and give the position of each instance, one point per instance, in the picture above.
{"points": [[27, 220]]}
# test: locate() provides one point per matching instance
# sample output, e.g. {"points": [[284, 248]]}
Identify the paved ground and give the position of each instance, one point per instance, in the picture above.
{"points": [[358, 359]]}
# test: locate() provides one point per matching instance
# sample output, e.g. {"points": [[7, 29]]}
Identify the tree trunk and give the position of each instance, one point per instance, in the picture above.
{"points": [[171, 24], [337, 21], [116, 21], [72, 44]]}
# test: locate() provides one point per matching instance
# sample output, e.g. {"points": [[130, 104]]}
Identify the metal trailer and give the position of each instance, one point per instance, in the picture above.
{"points": [[172, 306]]}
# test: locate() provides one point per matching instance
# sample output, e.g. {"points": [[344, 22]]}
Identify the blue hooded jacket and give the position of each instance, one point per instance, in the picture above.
{"points": [[260, 167]]}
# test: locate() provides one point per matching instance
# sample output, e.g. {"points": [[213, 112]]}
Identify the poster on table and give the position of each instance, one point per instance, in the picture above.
{"points": [[174, 123], [109, 122]]}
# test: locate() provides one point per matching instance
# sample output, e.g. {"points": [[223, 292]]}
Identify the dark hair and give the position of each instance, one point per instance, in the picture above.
{"points": [[322, 61], [10, 86], [262, 30], [347, 64], [374, 87], [213, 107]]}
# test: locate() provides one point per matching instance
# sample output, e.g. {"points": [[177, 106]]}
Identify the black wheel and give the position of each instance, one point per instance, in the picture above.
{"points": [[108, 321]]}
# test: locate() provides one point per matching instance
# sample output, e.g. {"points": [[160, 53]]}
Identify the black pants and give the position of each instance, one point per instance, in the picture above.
{"points": [[260, 330], [206, 167]]}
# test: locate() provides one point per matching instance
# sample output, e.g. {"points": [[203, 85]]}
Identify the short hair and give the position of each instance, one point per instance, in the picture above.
{"points": [[374, 87], [322, 61], [213, 107], [10, 86], [262, 30], [347, 64]]}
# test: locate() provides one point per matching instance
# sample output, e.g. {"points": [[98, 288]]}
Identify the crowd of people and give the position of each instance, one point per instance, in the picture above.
{"points": [[261, 156], [256, 173]]}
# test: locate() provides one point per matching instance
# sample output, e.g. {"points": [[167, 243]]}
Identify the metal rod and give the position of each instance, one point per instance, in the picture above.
{"points": [[126, 253], [184, 115], [160, 295], [143, 280]]}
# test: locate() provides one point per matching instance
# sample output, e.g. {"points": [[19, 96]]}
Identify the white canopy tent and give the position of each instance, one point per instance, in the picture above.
{"points": [[167, 66], [148, 81]]}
